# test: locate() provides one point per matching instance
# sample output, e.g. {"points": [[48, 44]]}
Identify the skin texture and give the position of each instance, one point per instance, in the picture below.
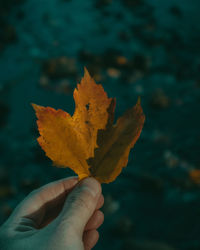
{"points": [[62, 215]]}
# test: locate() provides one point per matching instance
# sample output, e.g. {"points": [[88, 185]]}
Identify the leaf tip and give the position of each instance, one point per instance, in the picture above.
{"points": [[138, 105], [85, 70], [86, 74], [36, 107]]}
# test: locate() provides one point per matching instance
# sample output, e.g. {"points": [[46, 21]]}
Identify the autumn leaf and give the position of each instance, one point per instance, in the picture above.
{"points": [[88, 142]]}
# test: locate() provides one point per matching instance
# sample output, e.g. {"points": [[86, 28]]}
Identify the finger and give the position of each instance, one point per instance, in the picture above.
{"points": [[95, 221], [80, 205], [38, 201], [90, 239], [100, 202], [55, 210]]}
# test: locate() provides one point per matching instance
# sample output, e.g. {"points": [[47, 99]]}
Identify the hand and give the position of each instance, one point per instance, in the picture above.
{"points": [[62, 215]]}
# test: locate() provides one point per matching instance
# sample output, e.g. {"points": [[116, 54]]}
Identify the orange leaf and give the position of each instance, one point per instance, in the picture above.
{"points": [[88, 142]]}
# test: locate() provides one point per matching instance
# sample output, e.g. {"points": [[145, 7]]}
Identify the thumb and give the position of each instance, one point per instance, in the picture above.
{"points": [[80, 204]]}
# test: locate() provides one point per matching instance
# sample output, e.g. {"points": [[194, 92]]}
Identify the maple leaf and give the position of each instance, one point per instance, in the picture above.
{"points": [[88, 142]]}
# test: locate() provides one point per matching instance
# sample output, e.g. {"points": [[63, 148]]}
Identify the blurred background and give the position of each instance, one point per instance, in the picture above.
{"points": [[133, 48]]}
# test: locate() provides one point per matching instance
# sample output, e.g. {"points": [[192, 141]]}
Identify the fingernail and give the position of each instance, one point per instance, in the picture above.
{"points": [[92, 185]]}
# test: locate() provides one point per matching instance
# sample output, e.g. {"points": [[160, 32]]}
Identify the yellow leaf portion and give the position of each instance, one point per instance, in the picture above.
{"points": [[91, 111], [56, 137]]}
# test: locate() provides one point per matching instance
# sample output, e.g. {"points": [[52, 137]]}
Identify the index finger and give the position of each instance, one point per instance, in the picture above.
{"points": [[41, 196]]}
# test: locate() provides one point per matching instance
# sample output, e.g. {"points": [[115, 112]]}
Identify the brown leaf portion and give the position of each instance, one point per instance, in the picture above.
{"points": [[115, 143], [69, 140]]}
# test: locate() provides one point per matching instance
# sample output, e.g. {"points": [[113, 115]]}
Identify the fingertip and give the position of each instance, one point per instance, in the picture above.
{"points": [[100, 216], [100, 202], [71, 178], [92, 184], [90, 239], [95, 221]]}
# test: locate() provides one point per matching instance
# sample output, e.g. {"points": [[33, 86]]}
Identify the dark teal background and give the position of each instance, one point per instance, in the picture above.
{"points": [[133, 48]]}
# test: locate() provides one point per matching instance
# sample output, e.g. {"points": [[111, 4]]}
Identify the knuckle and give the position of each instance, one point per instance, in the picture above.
{"points": [[82, 202], [82, 198]]}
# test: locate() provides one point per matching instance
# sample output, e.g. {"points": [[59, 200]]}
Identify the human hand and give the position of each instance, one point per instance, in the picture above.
{"points": [[62, 215]]}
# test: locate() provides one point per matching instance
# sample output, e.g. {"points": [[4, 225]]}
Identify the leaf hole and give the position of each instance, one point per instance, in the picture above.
{"points": [[87, 106]]}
